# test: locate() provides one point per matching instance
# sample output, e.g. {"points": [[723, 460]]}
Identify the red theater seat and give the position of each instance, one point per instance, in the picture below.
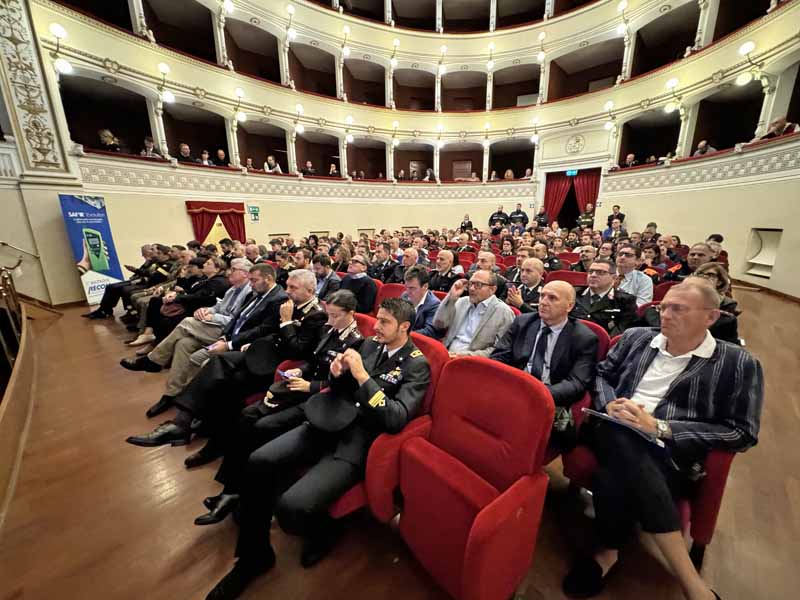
{"points": [[471, 478], [569, 257], [661, 290], [576, 278]]}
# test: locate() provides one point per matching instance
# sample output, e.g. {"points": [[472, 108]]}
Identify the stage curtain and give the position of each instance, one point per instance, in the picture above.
{"points": [[555, 192], [203, 215], [587, 187]]}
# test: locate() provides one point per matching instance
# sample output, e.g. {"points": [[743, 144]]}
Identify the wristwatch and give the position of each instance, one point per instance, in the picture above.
{"points": [[663, 430]]}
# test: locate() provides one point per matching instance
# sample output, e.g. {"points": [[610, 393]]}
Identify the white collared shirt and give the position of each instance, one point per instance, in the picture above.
{"points": [[555, 331], [665, 369], [469, 326], [637, 284]]}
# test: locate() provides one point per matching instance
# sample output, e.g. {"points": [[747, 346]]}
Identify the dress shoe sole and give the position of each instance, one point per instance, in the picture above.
{"points": [[190, 463], [153, 444]]}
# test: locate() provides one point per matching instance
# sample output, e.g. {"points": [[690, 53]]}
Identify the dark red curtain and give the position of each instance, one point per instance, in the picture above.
{"points": [[555, 192], [203, 215], [587, 187]]}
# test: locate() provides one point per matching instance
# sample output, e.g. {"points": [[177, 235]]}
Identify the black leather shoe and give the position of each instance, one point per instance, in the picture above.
{"points": [[223, 508], [211, 501], [207, 454], [128, 318], [166, 433], [96, 314], [234, 583], [164, 404], [141, 363], [317, 548], [132, 327], [585, 579]]}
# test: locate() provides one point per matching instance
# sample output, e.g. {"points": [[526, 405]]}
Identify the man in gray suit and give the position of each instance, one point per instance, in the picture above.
{"points": [[475, 323]]}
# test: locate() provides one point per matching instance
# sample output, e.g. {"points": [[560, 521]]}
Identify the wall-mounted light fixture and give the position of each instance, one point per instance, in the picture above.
{"points": [[442, 68], [228, 7], [61, 64], [238, 114], [163, 92], [486, 142], [622, 28], [675, 103], [395, 140], [490, 62], [299, 128], [535, 136], [395, 46], [611, 122], [345, 47], [541, 54]]}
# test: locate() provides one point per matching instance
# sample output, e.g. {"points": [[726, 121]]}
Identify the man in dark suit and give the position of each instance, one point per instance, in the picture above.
{"points": [[612, 309], [216, 395], [615, 214], [410, 259], [556, 349], [680, 394], [443, 277], [284, 261], [260, 423], [383, 265], [525, 294], [424, 302], [518, 216], [513, 274], [374, 390], [327, 281], [358, 282], [588, 254]]}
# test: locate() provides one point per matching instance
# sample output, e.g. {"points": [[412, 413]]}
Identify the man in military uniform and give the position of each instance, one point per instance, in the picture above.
{"points": [[377, 389], [216, 395], [550, 262], [443, 277], [588, 254], [281, 409], [382, 266], [612, 309], [586, 218], [498, 216], [699, 254], [525, 297], [541, 218], [519, 216], [513, 274]]}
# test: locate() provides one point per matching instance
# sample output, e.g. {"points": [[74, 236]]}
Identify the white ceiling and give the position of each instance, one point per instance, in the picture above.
{"points": [[462, 147], [415, 146], [734, 93], [260, 128], [192, 114], [250, 38], [363, 142], [364, 70], [183, 14], [99, 90], [314, 58], [592, 56], [512, 145], [458, 80], [317, 137], [464, 9], [414, 78], [681, 19], [516, 73], [414, 9], [655, 118], [513, 7]]}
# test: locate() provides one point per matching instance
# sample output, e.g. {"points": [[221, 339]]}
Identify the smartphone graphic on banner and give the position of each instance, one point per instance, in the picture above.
{"points": [[97, 254]]}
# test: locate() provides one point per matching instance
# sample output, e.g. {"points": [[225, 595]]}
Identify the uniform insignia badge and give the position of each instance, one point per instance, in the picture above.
{"points": [[415, 353]]}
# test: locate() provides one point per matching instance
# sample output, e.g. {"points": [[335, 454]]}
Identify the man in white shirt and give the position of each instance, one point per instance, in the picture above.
{"points": [[631, 280]]}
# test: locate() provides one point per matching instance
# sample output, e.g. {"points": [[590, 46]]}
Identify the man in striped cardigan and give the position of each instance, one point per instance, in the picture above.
{"points": [[678, 393]]}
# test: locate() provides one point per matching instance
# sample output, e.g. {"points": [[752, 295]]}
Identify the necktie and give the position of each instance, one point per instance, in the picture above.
{"points": [[538, 354], [594, 299], [382, 357]]}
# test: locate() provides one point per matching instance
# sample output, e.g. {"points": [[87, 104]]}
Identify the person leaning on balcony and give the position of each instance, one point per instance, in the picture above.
{"points": [[272, 166], [777, 128], [703, 147], [149, 149]]}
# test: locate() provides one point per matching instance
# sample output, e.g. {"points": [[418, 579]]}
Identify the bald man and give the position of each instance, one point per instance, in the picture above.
{"points": [[556, 349]]}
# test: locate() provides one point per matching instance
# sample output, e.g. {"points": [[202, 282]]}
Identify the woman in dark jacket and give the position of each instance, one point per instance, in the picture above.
{"points": [[164, 313]]}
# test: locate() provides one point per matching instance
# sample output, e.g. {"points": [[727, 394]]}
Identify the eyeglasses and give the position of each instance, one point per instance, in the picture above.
{"points": [[598, 272], [357, 262], [478, 285], [679, 309], [628, 254]]}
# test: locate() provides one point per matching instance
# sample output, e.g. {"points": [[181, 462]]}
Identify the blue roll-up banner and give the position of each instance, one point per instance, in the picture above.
{"points": [[89, 235]]}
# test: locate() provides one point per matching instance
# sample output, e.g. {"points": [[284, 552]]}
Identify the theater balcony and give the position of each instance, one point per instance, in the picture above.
{"points": [[589, 69]]}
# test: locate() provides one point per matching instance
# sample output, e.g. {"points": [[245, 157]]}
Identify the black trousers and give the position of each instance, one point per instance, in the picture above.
{"points": [[115, 292], [300, 504], [636, 482], [217, 393]]}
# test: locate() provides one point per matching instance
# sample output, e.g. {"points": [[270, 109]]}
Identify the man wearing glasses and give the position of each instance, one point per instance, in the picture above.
{"points": [[474, 323], [614, 310], [630, 279], [680, 394], [358, 282]]}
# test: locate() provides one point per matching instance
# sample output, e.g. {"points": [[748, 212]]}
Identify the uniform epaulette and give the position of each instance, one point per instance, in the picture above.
{"points": [[675, 268], [415, 353]]}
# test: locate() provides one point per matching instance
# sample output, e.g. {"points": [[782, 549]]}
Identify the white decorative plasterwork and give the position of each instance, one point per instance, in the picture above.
{"points": [[575, 144], [30, 106], [756, 165], [97, 172]]}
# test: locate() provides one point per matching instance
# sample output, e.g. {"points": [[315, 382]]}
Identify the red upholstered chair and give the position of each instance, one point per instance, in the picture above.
{"points": [[643, 308], [510, 261], [432, 255], [614, 341], [388, 290], [465, 263], [576, 278], [357, 496], [661, 290], [440, 295], [341, 274], [569, 257], [379, 286], [472, 481], [366, 324], [467, 256], [517, 312]]}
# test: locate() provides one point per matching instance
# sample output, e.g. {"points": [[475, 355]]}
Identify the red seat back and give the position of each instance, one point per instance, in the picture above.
{"points": [[569, 257], [341, 275], [466, 256], [643, 308], [389, 290], [510, 261], [437, 356], [440, 295], [661, 290], [465, 263], [517, 312], [576, 278], [366, 324], [604, 342], [498, 445], [379, 286], [614, 341]]}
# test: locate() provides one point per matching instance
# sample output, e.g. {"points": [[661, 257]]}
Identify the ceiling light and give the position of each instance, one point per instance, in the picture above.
{"points": [[609, 125], [489, 65], [348, 119], [672, 83], [608, 105], [747, 48], [542, 35], [491, 46], [486, 143], [239, 92], [227, 5], [163, 68], [298, 109], [440, 144], [349, 138], [396, 43], [241, 117], [167, 96], [744, 78], [58, 31], [63, 66], [395, 124], [535, 139], [622, 5], [442, 69], [622, 28], [487, 126], [299, 128], [393, 62], [443, 49], [440, 128], [346, 30], [290, 9], [670, 107], [395, 142], [540, 56], [291, 33], [535, 121], [346, 51]]}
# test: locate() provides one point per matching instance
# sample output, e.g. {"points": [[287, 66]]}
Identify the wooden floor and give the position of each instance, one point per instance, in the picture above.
{"points": [[94, 517]]}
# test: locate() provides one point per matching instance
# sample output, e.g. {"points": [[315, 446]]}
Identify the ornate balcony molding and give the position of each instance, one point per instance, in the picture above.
{"points": [[776, 160], [110, 174]]}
